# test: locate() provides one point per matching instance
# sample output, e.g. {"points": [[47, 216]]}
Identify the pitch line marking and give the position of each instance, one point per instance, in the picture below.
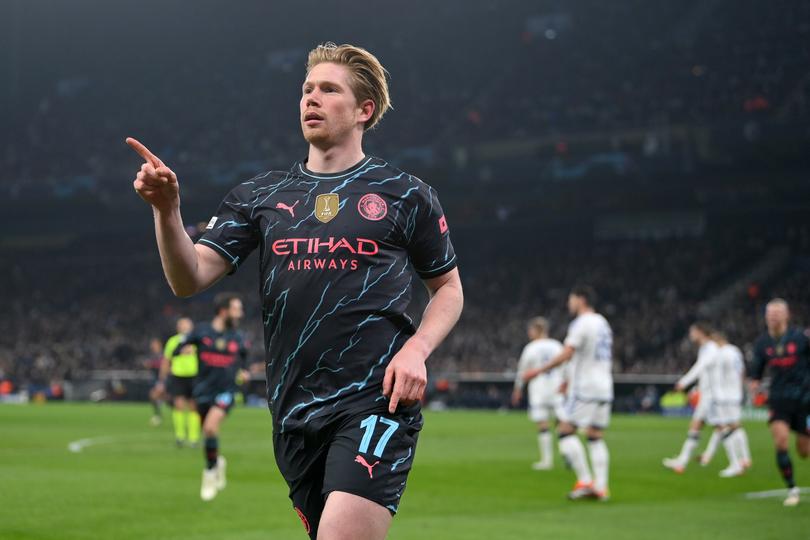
{"points": [[80, 444], [773, 493]]}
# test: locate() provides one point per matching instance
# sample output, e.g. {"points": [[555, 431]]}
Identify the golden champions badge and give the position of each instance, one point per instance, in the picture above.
{"points": [[327, 206], [220, 344]]}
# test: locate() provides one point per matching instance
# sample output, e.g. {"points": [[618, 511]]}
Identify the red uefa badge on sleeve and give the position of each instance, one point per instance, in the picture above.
{"points": [[443, 225]]}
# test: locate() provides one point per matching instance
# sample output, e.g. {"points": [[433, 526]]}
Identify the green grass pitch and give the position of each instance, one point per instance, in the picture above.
{"points": [[471, 480]]}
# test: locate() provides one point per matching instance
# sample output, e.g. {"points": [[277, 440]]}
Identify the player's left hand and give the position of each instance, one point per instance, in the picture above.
{"points": [[405, 377]]}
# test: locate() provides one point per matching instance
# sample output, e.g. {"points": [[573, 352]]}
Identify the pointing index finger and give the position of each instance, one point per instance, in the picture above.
{"points": [[144, 152]]}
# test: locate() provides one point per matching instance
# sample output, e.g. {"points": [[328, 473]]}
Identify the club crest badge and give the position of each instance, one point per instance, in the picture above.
{"points": [[372, 207], [327, 206]]}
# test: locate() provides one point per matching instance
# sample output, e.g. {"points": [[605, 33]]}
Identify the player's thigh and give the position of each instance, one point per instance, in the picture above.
{"points": [[180, 402], [780, 432], [213, 420], [350, 517]]}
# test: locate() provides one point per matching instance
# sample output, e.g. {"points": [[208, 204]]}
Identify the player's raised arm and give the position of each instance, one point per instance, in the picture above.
{"points": [[189, 268]]}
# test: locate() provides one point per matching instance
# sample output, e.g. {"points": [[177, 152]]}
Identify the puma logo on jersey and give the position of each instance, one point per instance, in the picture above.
{"points": [[362, 461], [290, 209]]}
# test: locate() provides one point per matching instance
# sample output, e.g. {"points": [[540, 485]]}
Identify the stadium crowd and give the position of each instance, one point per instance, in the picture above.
{"points": [[531, 71], [558, 71], [73, 313]]}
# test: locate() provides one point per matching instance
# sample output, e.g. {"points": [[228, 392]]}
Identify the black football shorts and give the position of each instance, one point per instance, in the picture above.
{"points": [[180, 386], [223, 400], [366, 453], [793, 412]]}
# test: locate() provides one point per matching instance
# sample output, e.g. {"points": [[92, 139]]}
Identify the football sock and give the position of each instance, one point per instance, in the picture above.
{"points": [[785, 467], [193, 421], [179, 422], [156, 406], [743, 449], [571, 447], [600, 460], [211, 452], [711, 448], [729, 444], [544, 443], [689, 446]]}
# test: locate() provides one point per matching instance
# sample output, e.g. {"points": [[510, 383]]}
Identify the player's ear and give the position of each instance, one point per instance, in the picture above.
{"points": [[366, 110]]}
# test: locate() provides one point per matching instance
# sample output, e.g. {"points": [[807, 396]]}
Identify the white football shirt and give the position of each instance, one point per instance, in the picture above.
{"points": [[538, 353], [591, 366]]}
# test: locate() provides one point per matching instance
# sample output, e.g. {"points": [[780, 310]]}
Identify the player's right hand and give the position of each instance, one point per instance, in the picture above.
{"points": [[517, 395], [155, 183]]}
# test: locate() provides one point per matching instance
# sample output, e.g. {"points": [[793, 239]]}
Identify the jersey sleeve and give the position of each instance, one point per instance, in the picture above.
{"points": [[521, 367], [576, 336], [192, 338], [171, 346], [232, 232], [244, 346], [758, 362], [693, 373], [428, 236]]}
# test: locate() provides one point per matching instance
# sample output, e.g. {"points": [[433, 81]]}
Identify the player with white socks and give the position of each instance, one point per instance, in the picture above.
{"points": [[727, 374], [544, 392], [588, 347], [700, 334]]}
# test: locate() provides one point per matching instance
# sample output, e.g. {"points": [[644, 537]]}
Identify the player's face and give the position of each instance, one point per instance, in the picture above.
{"points": [[776, 316], [695, 334], [532, 333], [235, 313], [184, 326], [329, 108], [574, 303]]}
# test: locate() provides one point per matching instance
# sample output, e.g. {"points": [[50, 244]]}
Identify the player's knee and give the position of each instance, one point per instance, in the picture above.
{"points": [[564, 429]]}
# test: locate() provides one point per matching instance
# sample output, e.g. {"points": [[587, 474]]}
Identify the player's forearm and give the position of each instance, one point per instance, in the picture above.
{"points": [[440, 316], [177, 253], [691, 376], [164, 369]]}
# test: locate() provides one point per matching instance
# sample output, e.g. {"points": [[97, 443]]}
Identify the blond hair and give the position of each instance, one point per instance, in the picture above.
{"points": [[539, 324], [368, 78]]}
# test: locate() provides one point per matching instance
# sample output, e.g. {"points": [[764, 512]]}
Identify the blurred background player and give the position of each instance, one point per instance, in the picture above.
{"points": [[179, 370], [699, 334], [222, 355], [726, 376], [785, 351], [544, 397], [158, 392], [588, 346]]}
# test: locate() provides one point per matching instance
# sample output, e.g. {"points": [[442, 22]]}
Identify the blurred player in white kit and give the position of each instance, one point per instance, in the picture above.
{"points": [[588, 346], [700, 333], [727, 375], [544, 397]]}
